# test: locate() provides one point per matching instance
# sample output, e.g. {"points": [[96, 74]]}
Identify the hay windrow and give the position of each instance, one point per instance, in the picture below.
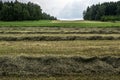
{"points": [[58, 38], [57, 33], [58, 30], [54, 66]]}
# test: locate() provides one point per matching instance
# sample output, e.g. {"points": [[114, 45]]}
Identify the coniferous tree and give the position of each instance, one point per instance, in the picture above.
{"points": [[17, 11], [105, 11]]}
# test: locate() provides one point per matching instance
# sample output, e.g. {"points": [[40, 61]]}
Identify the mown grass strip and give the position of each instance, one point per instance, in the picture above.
{"points": [[64, 66], [57, 38]]}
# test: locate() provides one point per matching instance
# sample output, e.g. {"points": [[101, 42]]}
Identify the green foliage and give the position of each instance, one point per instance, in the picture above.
{"points": [[107, 11], [110, 18], [16, 11]]}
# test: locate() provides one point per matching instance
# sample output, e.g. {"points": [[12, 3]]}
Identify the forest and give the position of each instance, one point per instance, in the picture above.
{"points": [[17, 11], [108, 11]]}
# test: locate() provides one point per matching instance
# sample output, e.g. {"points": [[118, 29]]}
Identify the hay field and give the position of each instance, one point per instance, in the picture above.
{"points": [[61, 48], [59, 53]]}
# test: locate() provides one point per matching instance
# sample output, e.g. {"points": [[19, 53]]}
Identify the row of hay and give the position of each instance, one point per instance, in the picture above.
{"points": [[55, 66], [58, 38], [61, 30]]}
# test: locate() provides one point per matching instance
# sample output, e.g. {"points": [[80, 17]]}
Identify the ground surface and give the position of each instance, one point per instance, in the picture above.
{"points": [[59, 48], [66, 50]]}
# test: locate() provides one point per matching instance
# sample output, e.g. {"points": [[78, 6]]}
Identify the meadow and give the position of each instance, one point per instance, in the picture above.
{"points": [[49, 23], [59, 50]]}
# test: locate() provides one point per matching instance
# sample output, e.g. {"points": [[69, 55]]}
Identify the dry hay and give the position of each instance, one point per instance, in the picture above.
{"points": [[55, 66]]}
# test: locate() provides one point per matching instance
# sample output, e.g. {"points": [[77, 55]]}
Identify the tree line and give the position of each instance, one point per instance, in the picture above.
{"points": [[108, 11], [17, 11]]}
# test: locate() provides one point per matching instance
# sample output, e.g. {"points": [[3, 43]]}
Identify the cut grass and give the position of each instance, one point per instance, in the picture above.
{"points": [[61, 48], [45, 23], [57, 37], [58, 30], [59, 66], [57, 34], [35, 58], [82, 77]]}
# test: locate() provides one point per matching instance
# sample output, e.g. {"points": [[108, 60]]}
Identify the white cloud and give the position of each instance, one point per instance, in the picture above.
{"points": [[74, 9], [52, 7], [65, 9]]}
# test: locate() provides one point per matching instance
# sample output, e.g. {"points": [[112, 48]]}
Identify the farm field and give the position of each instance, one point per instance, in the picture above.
{"points": [[65, 40], [59, 50], [57, 34]]}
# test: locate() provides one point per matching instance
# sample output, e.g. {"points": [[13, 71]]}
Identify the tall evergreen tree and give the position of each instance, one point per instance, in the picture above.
{"points": [[104, 11], [17, 11]]}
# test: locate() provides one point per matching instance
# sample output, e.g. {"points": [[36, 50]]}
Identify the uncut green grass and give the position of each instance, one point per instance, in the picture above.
{"points": [[48, 23]]}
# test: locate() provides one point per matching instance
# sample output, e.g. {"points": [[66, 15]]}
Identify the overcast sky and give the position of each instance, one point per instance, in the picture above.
{"points": [[65, 9]]}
